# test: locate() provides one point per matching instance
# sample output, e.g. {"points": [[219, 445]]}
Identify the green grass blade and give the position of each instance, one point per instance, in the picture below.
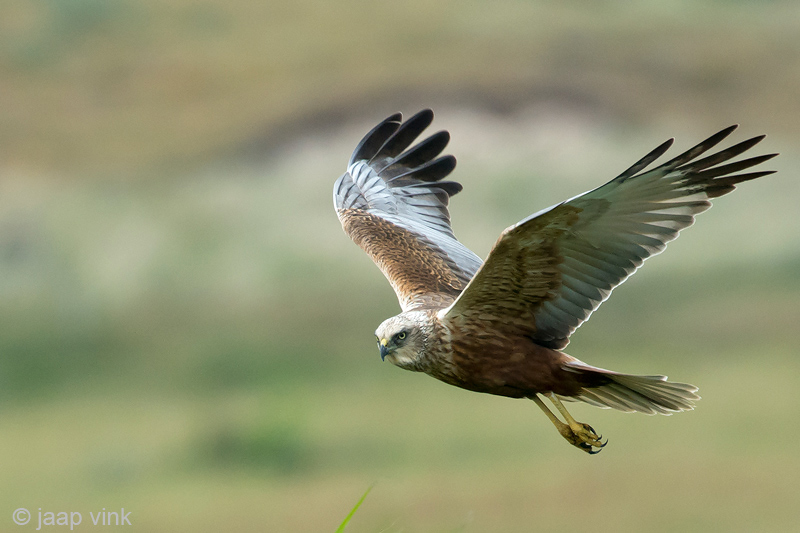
{"points": [[341, 527]]}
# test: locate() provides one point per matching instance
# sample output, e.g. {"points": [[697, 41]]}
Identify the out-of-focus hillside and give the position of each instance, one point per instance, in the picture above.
{"points": [[131, 88]]}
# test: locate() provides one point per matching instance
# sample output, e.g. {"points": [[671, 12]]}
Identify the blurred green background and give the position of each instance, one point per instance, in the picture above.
{"points": [[186, 332]]}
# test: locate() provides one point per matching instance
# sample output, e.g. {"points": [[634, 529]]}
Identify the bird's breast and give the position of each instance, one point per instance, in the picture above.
{"points": [[497, 363]]}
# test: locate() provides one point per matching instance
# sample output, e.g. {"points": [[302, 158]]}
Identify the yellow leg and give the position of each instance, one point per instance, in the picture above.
{"points": [[553, 418], [581, 435]]}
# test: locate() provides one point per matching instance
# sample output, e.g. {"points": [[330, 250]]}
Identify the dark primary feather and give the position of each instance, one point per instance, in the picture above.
{"points": [[401, 139], [548, 273], [372, 141], [420, 155], [646, 160], [698, 149]]}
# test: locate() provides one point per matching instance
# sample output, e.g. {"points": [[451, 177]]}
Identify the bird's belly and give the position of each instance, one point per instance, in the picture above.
{"points": [[514, 369]]}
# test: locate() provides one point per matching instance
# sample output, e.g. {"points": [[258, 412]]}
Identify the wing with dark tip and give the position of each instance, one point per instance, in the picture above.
{"points": [[393, 203], [548, 273]]}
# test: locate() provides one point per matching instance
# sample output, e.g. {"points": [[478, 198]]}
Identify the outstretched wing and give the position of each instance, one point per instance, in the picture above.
{"points": [[548, 273], [393, 204]]}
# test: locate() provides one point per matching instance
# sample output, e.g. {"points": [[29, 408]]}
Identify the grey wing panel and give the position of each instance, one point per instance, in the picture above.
{"points": [[548, 273], [630, 219], [404, 187]]}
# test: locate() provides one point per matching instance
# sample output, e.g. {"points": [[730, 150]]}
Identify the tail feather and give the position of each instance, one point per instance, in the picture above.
{"points": [[631, 393]]}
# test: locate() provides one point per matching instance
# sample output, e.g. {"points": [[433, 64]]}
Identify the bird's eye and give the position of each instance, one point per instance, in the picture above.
{"points": [[401, 335]]}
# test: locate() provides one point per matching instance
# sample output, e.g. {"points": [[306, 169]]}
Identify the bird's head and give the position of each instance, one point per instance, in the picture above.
{"points": [[401, 340]]}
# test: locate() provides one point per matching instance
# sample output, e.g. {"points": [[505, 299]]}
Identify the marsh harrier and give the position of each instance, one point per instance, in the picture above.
{"points": [[500, 326]]}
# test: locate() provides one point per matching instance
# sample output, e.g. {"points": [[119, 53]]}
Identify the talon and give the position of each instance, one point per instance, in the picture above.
{"points": [[578, 434], [584, 437]]}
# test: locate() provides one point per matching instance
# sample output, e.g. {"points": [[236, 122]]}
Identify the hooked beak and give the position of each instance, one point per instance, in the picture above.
{"points": [[384, 350]]}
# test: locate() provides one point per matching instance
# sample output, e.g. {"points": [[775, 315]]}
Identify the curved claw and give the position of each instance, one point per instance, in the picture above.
{"points": [[584, 437], [590, 448], [578, 434]]}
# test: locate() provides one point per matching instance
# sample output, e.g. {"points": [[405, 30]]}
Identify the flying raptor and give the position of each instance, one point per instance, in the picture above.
{"points": [[500, 326]]}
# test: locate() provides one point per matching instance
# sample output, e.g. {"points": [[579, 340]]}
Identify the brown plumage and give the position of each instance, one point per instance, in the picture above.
{"points": [[499, 326]]}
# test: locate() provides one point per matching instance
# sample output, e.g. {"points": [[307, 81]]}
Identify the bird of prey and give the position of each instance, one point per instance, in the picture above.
{"points": [[500, 326]]}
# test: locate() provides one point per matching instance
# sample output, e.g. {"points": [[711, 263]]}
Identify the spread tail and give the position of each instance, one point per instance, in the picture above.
{"points": [[629, 393]]}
